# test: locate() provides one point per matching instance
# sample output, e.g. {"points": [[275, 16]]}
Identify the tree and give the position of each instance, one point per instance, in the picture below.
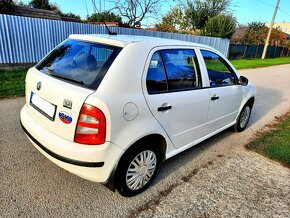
{"points": [[134, 11], [104, 17], [6, 6], [255, 33], [40, 4], [54, 7], [71, 15], [222, 26], [199, 11], [172, 21]]}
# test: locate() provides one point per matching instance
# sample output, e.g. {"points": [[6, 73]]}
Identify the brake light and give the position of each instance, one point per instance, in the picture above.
{"points": [[91, 126]]}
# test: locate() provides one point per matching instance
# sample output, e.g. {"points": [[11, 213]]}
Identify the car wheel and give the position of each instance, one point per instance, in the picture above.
{"points": [[136, 171], [243, 118]]}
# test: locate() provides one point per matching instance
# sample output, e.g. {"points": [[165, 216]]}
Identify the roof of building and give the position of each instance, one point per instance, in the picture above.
{"points": [[39, 13]]}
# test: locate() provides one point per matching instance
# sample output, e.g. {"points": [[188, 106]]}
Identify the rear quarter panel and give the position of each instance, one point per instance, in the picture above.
{"points": [[122, 85]]}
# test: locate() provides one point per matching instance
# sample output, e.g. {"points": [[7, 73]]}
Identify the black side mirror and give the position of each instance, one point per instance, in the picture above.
{"points": [[243, 81]]}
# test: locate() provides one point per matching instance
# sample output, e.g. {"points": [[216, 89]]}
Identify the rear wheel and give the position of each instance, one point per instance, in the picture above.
{"points": [[243, 118], [136, 170]]}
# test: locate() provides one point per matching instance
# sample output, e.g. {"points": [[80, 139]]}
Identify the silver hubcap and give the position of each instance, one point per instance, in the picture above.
{"points": [[245, 115], [141, 170]]}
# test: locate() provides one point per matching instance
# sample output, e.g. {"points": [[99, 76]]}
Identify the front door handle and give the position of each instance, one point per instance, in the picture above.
{"points": [[164, 108], [215, 97]]}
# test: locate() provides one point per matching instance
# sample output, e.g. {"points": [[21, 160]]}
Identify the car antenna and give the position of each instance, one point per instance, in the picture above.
{"points": [[109, 31], [107, 28]]}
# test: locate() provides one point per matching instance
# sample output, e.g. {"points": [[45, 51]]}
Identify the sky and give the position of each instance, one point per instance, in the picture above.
{"points": [[245, 11]]}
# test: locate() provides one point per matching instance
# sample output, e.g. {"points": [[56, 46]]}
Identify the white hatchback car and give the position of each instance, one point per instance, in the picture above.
{"points": [[110, 109]]}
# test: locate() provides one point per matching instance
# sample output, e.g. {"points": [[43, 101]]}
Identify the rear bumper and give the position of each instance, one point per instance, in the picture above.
{"points": [[94, 163]]}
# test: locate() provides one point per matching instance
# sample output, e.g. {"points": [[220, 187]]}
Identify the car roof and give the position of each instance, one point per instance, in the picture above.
{"points": [[124, 40]]}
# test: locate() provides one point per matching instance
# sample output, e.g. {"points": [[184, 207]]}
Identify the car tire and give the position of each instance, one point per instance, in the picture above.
{"points": [[136, 170], [243, 118]]}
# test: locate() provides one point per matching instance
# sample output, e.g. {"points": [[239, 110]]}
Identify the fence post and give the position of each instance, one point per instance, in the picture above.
{"points": [[244, 55], [257, 48], [281, 54], [275, 51]]}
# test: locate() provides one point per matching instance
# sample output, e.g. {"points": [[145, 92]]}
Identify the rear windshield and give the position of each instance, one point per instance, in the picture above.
{"points": [[78, 62]]}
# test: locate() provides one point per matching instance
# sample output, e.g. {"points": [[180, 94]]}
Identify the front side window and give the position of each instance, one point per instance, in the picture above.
{"points": [[83, 63], [219, 72], [182, 69]]}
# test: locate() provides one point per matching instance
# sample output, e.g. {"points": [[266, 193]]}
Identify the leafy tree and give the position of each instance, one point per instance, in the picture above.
{"points": [[222, 26], [105, 16], [71, 15], [193, 17], [199, 11], [256, 32], [40, 4], [256, 26], [172, 21], [54, 7], [6, 6]]}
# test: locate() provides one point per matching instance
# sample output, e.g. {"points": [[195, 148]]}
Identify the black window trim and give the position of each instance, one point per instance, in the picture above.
{"points": [[165, 71], [226, 64]]}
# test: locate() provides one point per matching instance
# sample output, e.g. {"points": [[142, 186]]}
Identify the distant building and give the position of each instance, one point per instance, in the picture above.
{"points": [[107, 23], [25, 11], [283, 26]]}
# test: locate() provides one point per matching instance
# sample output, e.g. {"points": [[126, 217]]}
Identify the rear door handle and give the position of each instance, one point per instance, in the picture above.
{"points": [[215, 97], [164, 108]]}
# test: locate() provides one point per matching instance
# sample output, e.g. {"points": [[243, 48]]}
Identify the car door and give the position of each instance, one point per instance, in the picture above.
{"points": [[225, 92], [175, 96]]}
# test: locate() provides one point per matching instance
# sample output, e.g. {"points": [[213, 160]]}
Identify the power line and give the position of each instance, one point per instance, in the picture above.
{"points": [[273, 6], [284, 12], [266, 3]]}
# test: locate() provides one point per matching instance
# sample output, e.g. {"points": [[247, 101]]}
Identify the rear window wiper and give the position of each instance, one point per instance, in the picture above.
{"points": [[52, 73]]}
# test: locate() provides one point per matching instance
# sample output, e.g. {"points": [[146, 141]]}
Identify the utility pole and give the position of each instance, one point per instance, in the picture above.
{"points": [[270, 30]]}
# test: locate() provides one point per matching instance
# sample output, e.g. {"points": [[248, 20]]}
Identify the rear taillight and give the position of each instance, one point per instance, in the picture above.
{"points": [[91, 126]]}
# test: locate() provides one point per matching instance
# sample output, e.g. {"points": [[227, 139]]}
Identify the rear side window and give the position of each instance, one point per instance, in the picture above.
{"points": [[82, 63], [156, 80], [182, 69], [219, 72]]}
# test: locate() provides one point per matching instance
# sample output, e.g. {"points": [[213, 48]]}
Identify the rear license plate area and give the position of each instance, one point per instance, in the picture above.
{"points": [[44, 107]]}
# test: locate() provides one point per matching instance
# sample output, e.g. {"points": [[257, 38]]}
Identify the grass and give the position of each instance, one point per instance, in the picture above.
{"points": [[255, 63], [12, 83], [275, 144]]}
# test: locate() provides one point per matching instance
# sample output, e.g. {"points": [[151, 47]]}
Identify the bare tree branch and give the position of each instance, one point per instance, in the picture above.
{"points": [[135, 11]]}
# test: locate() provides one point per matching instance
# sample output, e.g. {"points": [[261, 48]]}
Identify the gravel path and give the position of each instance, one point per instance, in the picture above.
{"points": [[217, 178], [243, 185]]}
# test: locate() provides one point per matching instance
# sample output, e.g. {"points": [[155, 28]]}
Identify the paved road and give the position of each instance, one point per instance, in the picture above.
{"points": [[215, 178]]}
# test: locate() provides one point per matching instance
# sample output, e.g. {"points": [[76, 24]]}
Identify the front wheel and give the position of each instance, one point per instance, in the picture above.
{"points": [[243, 118], [136, 171]]}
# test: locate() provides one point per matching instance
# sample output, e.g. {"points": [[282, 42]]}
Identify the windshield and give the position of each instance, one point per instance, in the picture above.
{"points": [[78, 62]]}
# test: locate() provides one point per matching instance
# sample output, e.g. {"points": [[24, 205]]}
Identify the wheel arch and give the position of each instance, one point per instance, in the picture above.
{"points": [[250, 102], [161, 149], [161, 144]]}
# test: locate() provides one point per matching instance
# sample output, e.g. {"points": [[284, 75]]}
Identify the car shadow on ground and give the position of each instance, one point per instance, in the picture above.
{"points": [[263, 105]]}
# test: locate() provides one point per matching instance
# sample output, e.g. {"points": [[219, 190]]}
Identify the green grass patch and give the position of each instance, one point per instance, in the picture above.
{"points": [[254, 63], [275, 144], [12, 83]]}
